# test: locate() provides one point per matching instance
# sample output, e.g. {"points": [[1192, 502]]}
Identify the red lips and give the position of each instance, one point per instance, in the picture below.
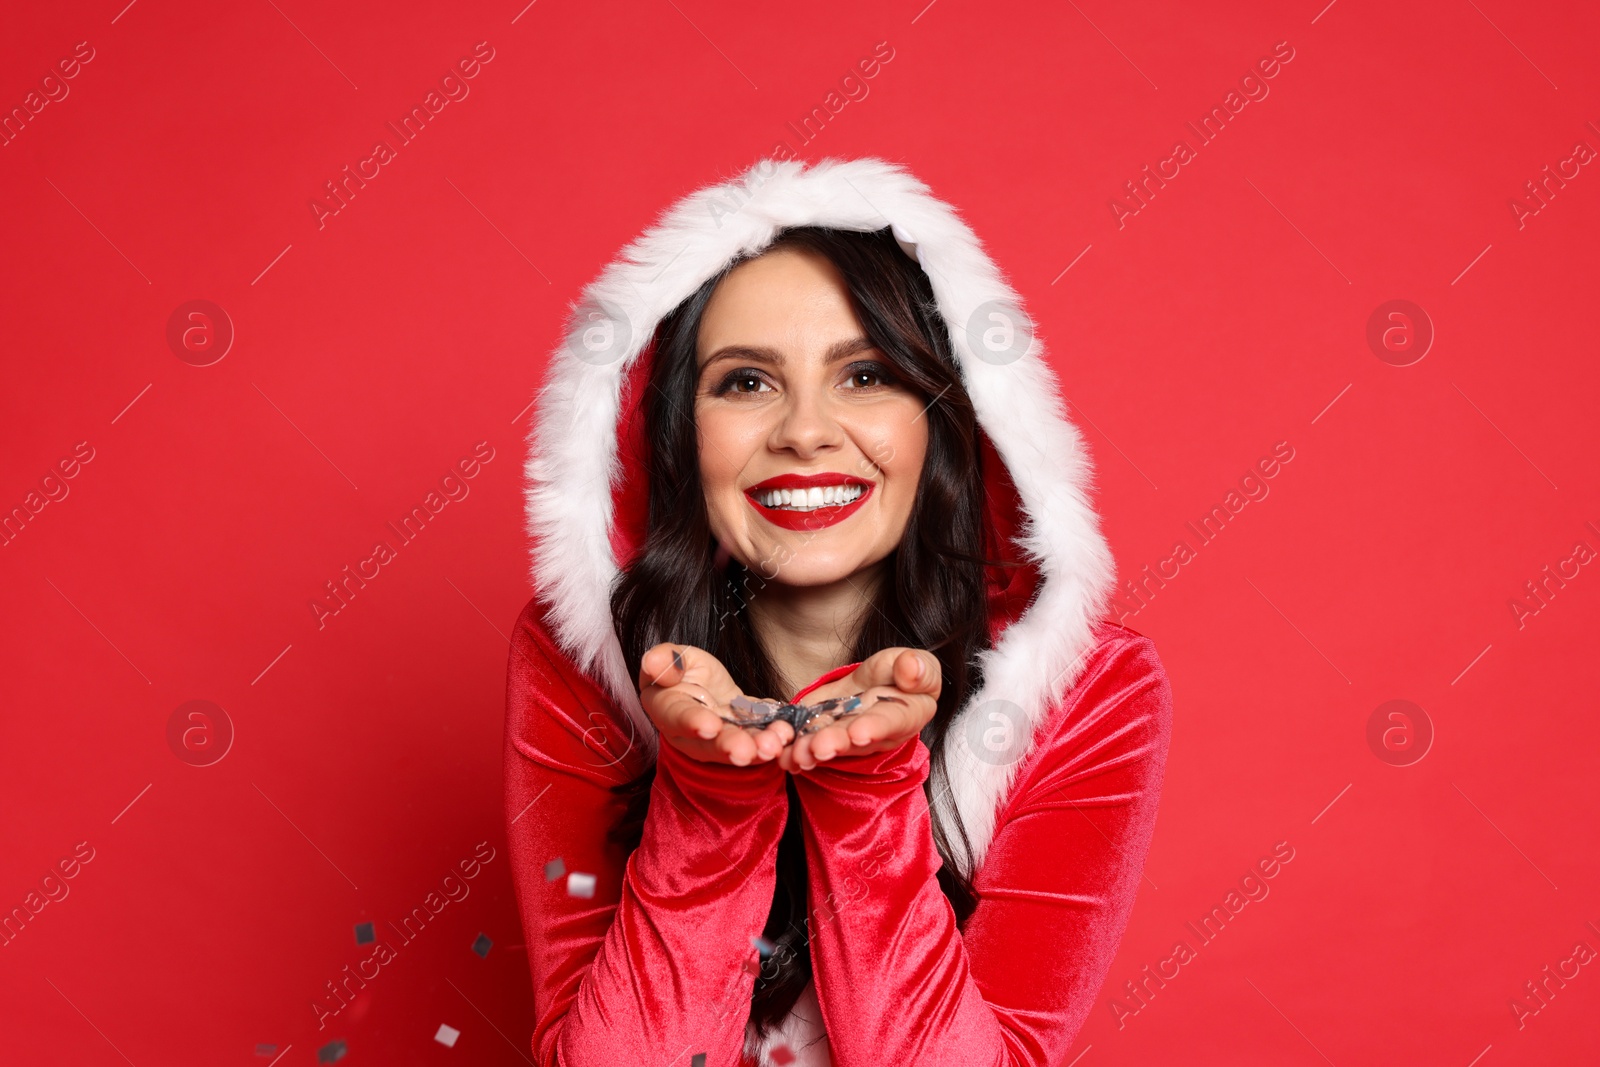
{"points": [[817, 518]]}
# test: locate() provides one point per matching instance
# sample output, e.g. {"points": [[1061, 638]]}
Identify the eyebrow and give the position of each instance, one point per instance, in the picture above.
{"points": [[772, 357]]}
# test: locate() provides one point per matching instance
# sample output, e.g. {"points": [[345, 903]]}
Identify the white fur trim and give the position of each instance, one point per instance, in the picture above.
{"points": [[573, 458]]}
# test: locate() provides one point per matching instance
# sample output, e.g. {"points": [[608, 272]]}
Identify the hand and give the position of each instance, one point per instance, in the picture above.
{"points": [[900, 690], [684, 690]]}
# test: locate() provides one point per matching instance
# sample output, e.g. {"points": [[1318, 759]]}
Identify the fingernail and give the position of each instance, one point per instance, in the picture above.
{"points": [[677, 660]]}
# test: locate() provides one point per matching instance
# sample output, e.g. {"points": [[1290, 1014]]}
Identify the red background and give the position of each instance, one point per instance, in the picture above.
{"points": [[375, 351]]}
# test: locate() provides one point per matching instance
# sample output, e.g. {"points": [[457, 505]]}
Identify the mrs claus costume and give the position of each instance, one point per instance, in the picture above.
{"points": [[1055, 764]]}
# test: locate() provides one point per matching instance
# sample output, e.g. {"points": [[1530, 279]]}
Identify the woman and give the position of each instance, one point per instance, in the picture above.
{"points": [[801, 441]]}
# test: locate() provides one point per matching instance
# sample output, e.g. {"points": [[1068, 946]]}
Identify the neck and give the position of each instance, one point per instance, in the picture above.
{"points": [[807, 630]]}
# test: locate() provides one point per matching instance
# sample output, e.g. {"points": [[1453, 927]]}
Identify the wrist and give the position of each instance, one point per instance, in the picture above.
{"points": [[756, 780], [906, 760]]}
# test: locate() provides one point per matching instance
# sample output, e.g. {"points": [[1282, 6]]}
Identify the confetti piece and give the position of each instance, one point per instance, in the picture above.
{"points": [[699, 1060], [763, 946], [333, 1051], [364, 934], [482, 946], [447, 1035], [805, 718], [554, 869], [266, 1050], [781, 1055], [752, 967], [580, 885]]}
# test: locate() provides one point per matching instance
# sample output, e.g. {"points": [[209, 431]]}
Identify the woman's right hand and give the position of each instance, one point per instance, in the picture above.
{"points": [[684, 690]]}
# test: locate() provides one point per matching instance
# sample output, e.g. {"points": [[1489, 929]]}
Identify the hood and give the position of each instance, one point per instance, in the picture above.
{"points": [[586, 495]]}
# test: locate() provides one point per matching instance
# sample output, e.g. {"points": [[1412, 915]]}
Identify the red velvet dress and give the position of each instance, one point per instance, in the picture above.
{"points": [[658, 965]]}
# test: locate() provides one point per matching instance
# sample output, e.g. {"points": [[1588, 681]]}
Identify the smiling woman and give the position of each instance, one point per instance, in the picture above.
{"points": [[814, 487], [793, 398]]}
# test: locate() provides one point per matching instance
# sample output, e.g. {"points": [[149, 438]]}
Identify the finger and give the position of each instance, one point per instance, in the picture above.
{"points": [[829, 741], [766, 747], [911, 670], [662, 665], [800, 752], [713, 750], [737, 745], [916, 671], [774, 739], [681, 710], [784, 731], [870, 726], [891, 710]]}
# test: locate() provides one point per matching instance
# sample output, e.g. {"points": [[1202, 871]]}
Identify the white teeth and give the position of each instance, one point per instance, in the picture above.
{"points": [[808, 499]]}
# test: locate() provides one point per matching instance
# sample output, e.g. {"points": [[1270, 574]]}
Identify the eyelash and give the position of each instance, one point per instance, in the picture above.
{"points": [[877, 370]]}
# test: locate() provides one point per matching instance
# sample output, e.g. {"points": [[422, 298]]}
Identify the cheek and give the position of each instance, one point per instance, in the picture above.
{"points": [[722, 444], [899, 448]]}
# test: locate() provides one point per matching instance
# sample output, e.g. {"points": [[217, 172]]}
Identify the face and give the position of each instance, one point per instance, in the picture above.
{"points": [[810, 450]]}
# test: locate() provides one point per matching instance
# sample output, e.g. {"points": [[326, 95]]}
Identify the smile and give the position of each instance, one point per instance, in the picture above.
{"points": [[808, 502], [809, 499]]}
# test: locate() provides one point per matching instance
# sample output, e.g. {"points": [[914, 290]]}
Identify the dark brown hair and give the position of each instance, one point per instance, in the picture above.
{"points": [[934, 596]]}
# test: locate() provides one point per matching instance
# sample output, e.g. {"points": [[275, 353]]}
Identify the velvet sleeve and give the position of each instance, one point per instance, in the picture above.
{"points": [[896, 980], [658, 964]]}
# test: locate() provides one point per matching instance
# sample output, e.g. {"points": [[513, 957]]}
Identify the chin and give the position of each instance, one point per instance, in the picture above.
{"points": [[803, 571]]}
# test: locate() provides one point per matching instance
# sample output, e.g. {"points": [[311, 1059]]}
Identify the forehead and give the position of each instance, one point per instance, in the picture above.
{"points": [[785, 299]]}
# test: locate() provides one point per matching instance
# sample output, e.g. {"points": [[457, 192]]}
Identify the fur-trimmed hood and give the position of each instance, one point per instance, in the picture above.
{"points": [[586, 514]]}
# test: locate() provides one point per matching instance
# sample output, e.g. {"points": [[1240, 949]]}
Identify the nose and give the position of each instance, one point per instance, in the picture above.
{"points": [[807, 425]]}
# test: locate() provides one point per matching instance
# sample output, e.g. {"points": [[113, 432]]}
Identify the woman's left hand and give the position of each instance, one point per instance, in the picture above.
{"points": [[899, 688]]}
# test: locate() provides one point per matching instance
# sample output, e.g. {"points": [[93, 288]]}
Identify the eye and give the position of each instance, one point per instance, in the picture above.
{"points": [[740, 377], [876, 375]]}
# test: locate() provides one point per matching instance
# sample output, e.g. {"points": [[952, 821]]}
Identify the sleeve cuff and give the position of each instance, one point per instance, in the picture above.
{"points": [[722, 780], [907, 762]]}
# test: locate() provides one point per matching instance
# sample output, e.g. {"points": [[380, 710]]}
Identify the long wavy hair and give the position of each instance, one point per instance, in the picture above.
{"points": [[934, 598]]}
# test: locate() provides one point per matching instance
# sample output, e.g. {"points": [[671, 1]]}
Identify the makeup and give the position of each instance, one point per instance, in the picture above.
{"points": [[799, 501]]}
